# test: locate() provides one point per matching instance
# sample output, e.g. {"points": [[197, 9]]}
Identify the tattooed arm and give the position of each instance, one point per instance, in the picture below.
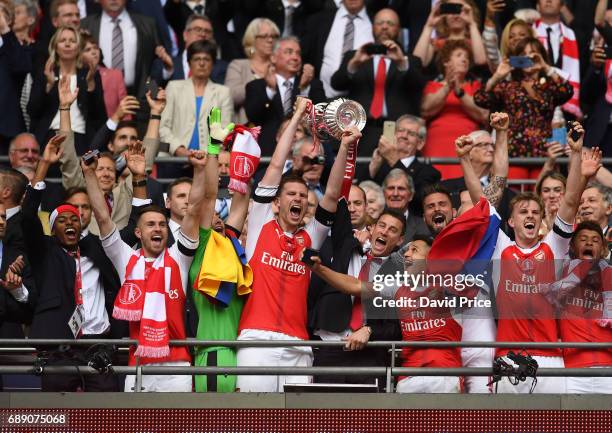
{"points": [[499, 172]]}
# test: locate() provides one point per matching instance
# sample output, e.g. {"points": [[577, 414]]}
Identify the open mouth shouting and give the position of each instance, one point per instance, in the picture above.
{"points": [[379, 244], [529, 227], [438, 220], [71, 234], [156, 241], [295, 211]]}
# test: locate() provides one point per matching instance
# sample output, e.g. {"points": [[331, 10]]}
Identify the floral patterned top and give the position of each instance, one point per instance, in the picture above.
{"points": [[530, 119]]}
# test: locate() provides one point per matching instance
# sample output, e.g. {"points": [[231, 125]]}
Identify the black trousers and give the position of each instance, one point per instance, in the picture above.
{"points": [[337, 357]]}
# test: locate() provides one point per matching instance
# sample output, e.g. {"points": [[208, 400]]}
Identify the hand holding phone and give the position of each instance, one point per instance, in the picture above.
{"points": [[307, 256], [450, 8], [521, 62], [151, 86], [373, 49], [574, 133]]}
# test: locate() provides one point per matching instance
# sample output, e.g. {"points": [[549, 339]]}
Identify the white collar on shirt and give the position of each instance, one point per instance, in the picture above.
{"points": [[280, 81], [123, 16], [10, 212], [287, 3], [173, 226], [362, 14], [408, 160]]}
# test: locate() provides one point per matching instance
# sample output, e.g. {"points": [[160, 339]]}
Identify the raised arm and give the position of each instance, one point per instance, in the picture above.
{"points": [[151, 139], [211, 188], [499, 171], [463, 146], [342, 282], [239, 209], [96, 198], [191, 221], [579, 173], [274, 172], [329, 202], [424, 49], [72, 176]]}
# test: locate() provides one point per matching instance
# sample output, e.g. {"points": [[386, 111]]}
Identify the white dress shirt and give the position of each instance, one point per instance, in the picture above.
{"points": [[332, 53], [408, 160], [174, 228], [280, 81], [77, 120], [130, 43], [555, 38], [12, 211]]}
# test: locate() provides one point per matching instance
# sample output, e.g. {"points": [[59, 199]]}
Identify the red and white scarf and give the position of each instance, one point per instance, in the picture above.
{"points": [[142, 297], [608, 70], [571, 63], [244, 156]]}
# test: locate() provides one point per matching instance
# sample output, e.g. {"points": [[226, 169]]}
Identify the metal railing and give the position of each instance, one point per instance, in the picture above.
{"points": [[13, 346]]}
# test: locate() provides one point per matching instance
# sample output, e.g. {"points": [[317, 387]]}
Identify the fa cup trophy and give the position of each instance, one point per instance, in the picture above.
{"points": [[330, 120]]}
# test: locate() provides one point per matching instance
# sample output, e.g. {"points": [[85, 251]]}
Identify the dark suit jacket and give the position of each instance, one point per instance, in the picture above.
{"points": [[55, 272], [43, 106], [274, 10], [415, 226], [313, 44], [403, 91], [422, 175], [15, 63], [269, 113], [11, 310], [148, 39], [13, 234], [593, 94], [154, 10]]}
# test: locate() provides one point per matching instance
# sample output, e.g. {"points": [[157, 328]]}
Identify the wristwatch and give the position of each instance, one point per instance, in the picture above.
{"points": [[139, 183], [459, 93]]}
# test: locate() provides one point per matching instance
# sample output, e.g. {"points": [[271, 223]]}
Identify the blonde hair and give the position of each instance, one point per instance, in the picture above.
{"points": [[54, 40], [505, 36], [248, 40]]}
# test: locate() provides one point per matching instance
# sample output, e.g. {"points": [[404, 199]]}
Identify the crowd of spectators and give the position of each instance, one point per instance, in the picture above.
{"points": [[92, 91]]}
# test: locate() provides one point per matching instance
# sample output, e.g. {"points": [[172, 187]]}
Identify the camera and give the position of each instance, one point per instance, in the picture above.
{"points": [[527, 366]]}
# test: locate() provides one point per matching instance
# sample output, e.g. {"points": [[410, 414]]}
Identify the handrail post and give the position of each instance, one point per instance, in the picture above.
{"points": [[390, 369], [138, 381]]}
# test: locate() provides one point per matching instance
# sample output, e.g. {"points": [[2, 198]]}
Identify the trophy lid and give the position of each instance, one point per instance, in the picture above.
{"points": [[342, 113]]}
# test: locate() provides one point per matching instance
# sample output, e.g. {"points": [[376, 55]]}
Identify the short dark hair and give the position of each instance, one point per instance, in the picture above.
{"points": [[206, 47], [395, 214], [55, 5], [425, 238], [588, 225], [151, 208], [176, 182], [436, 188], [74, 191], [290, 178], [16, 181], [125, 124]]}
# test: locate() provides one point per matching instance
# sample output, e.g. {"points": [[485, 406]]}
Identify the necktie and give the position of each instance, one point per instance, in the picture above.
{"points": [[357, 312], [117, 47], [349, 34], [109, 203], [287, 96], [549, 47], [376, 108], [78, 279], [288, 28]]}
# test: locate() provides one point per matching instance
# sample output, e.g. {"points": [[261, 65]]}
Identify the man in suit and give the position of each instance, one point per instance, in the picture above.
{"points": [[58, 261], [387, 85], [24, 153], [127, 41], [337, 32], [270, 99], [398, 188], [15, 63], [12, 188], [197, 28], [410, 133], [219, 12], [482, 157]]}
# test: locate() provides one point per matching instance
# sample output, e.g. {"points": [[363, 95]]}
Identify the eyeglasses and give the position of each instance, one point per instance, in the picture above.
{"points": [[267, 36], [201, 30]]}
